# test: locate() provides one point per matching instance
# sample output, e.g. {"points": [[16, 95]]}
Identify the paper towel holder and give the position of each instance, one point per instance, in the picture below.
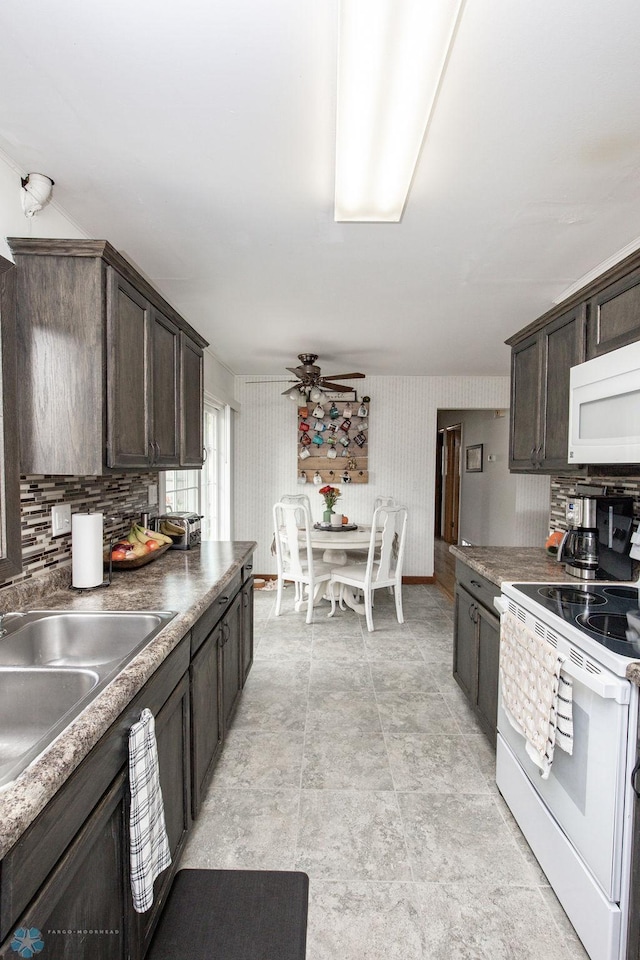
{"points": [[113, 537]]}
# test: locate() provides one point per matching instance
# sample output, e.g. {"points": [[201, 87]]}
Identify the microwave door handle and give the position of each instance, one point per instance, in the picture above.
{"points": [[607, 690]]}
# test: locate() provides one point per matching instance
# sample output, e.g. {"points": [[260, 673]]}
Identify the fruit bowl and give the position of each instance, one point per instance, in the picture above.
{"points": [[137, 561]]}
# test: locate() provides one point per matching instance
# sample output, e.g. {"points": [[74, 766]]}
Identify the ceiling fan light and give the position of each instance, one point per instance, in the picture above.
{"points": [[294, 394], [315, 394]]}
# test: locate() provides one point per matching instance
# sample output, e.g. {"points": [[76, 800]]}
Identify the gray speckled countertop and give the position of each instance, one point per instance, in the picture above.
{"points": [[499, 564], [186, 582]]}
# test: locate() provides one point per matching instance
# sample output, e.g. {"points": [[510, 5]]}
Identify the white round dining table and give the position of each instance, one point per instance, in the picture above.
{"points": [[336, 542]]}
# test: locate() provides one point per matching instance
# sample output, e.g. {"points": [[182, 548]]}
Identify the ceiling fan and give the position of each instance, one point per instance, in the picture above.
{"points": [[311, 382]]}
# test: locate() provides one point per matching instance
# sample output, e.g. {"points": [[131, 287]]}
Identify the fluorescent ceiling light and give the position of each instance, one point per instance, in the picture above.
{"points": [[391, 59]]}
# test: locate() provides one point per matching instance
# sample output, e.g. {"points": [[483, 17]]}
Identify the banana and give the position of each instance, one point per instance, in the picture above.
{"points": [[152, 535], [170, 528], [144, 535]]}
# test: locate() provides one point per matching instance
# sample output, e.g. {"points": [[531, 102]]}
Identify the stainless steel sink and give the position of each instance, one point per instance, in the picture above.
{"points": [[76, 639], [52, 664], [35, 706]]}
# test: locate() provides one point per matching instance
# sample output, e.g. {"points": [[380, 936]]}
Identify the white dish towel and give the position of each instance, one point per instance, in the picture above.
{"points": [[536, 696], [150, 853]]}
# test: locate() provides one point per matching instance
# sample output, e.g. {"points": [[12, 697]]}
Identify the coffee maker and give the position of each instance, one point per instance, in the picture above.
{"points": [[596, 544]]}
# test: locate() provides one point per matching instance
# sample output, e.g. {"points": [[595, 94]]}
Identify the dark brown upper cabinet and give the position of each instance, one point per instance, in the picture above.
{"points": [[10, 538], [600, 317], [540, 366], [613, 316], [100, 364]]}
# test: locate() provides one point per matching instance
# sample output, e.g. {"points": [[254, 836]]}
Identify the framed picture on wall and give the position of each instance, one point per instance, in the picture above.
{"points": [[473, 459]]}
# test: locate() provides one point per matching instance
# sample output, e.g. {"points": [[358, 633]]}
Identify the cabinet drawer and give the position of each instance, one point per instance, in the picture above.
{"points": [[479, 587], [215, 613]]}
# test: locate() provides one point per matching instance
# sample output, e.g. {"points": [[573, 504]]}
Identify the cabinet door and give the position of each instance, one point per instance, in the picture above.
{"points": [[206, 713], [164, 372], [128, 382], [172, 736], [488, 660], [81, 910], [613, 316], [230, 658], [247, 629], [562, 343], [524, 440], [465, 653], [191, 394]]}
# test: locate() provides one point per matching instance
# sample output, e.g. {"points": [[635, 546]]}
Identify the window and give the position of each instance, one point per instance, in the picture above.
{"points": [[205, 491], [182, 491]]}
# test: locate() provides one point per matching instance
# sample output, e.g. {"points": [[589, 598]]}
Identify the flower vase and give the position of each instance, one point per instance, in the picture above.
{"points": [[326, 516]]}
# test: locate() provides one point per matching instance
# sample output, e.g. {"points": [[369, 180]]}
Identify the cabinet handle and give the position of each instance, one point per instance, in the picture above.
{"points": [[471, 609], [634, 777], [204, 454], [248, 566], [223, 600], [475, 583], [152, 453], [157, 446], [226, 633]]}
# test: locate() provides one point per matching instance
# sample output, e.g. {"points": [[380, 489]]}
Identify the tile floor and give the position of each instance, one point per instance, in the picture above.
{"points": [[354, 757]]}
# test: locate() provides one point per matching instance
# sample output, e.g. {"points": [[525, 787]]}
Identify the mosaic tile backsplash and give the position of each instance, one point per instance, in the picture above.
{"points": [[122, 497], [564, 487]]}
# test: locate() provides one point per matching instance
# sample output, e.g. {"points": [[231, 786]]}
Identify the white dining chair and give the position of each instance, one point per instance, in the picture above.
{"points": [[302, 500], [382, 571], [295, 558]]}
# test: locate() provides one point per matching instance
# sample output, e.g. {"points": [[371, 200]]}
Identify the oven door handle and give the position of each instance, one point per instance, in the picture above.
{"points": [[613, 690]]}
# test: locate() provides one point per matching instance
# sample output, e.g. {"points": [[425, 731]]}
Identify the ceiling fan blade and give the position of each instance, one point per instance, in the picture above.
{"points": [[344, 376], [338, 387], [294, 371], [269, 381]]}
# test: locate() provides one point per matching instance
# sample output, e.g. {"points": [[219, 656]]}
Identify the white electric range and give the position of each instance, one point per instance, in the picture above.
{"points": [[578, 822]]}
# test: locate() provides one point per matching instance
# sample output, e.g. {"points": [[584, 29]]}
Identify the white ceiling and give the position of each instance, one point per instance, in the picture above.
{"points": [[198, 137]]}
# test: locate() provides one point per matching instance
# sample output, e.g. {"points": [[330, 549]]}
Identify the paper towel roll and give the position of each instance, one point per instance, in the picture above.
{"points": [[86, 549]]}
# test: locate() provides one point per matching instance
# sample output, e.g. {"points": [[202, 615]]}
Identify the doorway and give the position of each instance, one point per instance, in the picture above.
{"points": [[447, 505]]}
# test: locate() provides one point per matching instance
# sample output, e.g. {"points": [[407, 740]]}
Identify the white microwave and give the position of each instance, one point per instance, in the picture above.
{"points": [[604, 408]]}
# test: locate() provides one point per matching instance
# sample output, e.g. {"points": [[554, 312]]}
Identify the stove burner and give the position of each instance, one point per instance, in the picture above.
{"points": [[628, 593], [571, 595], [612, 625]]}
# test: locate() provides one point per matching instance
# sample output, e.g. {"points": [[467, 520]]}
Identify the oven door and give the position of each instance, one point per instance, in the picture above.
{"points": [[585, 790]]}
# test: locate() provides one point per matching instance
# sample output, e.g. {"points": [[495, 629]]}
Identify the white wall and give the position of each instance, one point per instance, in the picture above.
{"points": [[51, 221], [497, 508], [402, 431], [219, 382]]}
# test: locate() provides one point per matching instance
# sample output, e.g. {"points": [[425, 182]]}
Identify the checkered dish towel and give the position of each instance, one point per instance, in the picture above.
{"points": [[536, 696], [150, 853]]}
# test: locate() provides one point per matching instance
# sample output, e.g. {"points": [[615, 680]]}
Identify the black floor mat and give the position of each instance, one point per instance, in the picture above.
{"points": [[233, 915]]}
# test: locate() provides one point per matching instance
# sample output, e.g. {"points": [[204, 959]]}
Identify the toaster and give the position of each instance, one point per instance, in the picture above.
{"points": [[183, 528]]}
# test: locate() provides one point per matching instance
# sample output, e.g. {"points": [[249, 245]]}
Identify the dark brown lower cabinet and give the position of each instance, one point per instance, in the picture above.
{"points": [[68, 875], [230, 649], [206, 713], [172, 736], [247, 628], [476, 647], [81, 911]]}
